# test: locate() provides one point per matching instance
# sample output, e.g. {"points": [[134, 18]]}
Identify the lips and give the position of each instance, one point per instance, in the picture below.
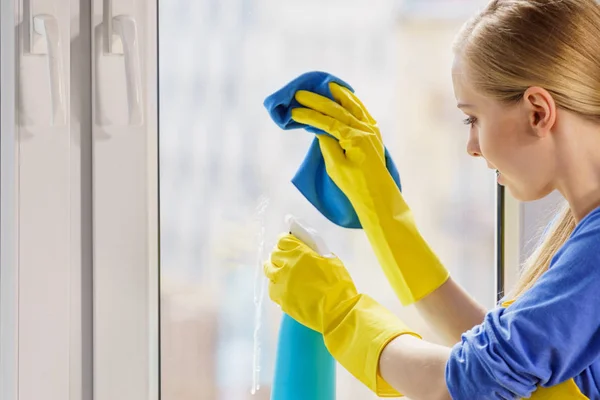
{"points": [[490, 166]]}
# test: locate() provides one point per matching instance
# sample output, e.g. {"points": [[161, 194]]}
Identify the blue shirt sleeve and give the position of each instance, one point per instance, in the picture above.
{"points": [[549, 335]]}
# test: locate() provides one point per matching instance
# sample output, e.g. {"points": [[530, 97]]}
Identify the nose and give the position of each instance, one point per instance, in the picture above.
{"points": [[473, 144]]}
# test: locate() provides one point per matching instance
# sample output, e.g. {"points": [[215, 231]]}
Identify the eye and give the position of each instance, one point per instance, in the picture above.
{"points": [[470, 121]]}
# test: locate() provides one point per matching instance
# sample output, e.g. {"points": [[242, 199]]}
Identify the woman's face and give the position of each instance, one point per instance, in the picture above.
{"points": [[507, 137]]}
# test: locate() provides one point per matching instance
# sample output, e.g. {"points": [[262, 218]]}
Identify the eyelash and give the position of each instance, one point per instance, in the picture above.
{"points": [[470, 121]]}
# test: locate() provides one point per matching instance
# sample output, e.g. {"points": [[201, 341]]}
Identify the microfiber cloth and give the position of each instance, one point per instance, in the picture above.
{"points": [[311, 179]]}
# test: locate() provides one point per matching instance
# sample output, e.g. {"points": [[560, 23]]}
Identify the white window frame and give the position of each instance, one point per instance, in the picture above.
{"points": [[42, 319], [97, 329], [125, 201], [8, 269]]}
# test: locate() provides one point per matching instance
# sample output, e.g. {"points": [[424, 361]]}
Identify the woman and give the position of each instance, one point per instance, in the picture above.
{"points": [[527, 75]]}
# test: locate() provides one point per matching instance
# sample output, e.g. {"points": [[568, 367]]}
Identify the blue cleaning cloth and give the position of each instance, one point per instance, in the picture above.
{"points": [[311, 179]]}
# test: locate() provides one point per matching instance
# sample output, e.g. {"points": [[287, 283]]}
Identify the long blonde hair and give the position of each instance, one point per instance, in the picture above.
{"points": [[555, 44]]}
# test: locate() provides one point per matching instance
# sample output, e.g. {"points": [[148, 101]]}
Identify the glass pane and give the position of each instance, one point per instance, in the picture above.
{"points": [[226, 168]]}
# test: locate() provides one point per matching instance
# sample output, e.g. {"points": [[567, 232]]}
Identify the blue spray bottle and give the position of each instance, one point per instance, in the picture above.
{"points": [[304, 369]]}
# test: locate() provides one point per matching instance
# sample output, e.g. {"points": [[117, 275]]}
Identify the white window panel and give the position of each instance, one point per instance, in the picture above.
{"points": [[42, 264], [45, 316], [125, 200]]}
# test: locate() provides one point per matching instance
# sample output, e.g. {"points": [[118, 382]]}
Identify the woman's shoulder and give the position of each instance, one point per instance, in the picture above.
{"points": [[585, 239], [590, 222], [578, 258]]}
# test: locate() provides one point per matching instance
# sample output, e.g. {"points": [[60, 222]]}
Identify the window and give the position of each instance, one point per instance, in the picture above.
{"points": [[226, 170], [79, 200]]}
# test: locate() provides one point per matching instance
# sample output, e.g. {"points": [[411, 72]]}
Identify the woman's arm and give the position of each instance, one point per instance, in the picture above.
{"points": [[357, 162], [450, 311], [415, 368], [548, 336]]}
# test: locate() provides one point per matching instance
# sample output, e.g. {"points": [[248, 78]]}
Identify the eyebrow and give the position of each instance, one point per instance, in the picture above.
{"points": [[463, 105]]}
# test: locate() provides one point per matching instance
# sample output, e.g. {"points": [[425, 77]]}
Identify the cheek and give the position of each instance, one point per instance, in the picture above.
{"points": [[492, 143], [499, 142]]}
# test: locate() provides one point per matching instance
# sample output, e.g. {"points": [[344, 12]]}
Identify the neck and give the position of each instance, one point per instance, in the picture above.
{"points": [[578, 177]]}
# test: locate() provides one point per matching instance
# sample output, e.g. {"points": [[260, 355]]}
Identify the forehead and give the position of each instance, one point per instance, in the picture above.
{"points": [[463, 89], [460, 78]]}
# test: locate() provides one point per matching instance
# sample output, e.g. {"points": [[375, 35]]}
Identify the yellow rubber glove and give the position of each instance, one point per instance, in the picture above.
{"points": [[355, 161], [567, 390], [319, 293]]}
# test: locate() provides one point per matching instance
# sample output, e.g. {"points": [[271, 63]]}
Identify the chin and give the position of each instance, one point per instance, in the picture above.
{"points": [[527, 195]]}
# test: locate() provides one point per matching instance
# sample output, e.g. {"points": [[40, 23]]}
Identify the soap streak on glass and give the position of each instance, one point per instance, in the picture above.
{"points": [[259, 292]]}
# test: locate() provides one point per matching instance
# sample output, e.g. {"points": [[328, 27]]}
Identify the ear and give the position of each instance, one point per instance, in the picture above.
{"points": [[541, 110]]}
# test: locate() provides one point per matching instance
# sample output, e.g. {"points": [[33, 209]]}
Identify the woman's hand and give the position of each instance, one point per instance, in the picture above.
{"points": [[316, 291], [354, 154], [355, 160]]}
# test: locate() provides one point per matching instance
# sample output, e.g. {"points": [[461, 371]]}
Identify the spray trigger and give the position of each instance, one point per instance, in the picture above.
{"points": [[308, 235]]}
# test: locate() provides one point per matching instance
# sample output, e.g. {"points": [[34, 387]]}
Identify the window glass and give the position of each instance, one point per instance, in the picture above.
{"points": [[225, 168]]}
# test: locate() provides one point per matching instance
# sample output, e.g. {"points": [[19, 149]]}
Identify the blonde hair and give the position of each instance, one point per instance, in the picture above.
{"points": [[537, 263], [554, 44]]}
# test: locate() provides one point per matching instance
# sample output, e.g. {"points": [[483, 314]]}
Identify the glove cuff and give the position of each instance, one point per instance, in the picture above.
{"points": [[410, 265], [360, 337]]}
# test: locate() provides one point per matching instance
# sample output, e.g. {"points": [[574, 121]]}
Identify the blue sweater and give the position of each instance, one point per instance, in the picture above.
{"points": [[547, 336]]}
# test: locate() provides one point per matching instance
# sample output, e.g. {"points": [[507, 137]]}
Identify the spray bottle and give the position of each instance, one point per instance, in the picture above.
{"points": [[304, 369]]}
